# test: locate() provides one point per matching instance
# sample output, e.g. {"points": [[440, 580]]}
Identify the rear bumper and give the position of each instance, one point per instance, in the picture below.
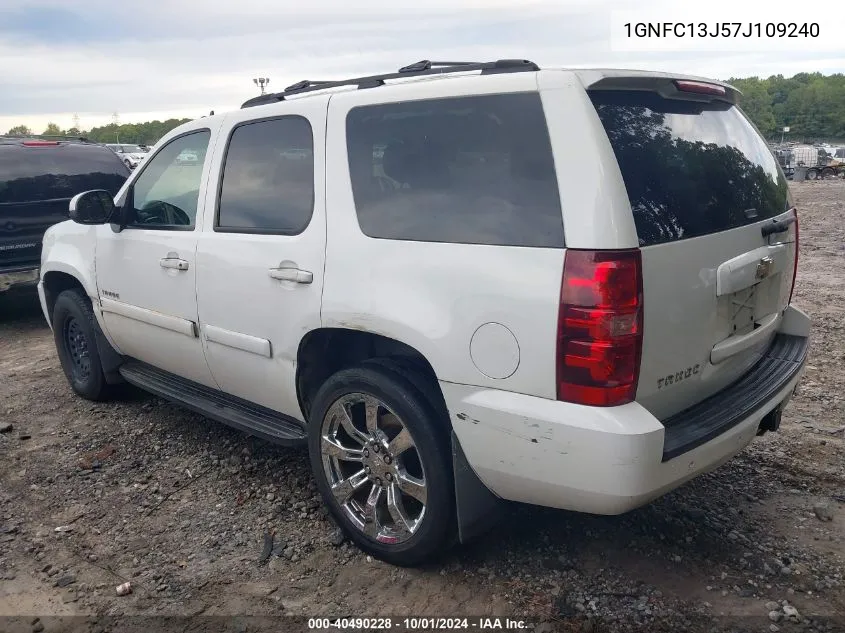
{"points": [[693, 427], [606, 460], [18, 277]]}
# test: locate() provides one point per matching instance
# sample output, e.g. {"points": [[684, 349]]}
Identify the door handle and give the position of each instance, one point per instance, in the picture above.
{"points": [[292, 274], [173, 262]]}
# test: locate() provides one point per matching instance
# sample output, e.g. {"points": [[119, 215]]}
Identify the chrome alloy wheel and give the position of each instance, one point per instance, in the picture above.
{"points": [[373, 468]]}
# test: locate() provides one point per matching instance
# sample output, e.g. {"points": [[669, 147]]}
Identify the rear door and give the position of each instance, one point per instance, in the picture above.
{"points": [[702, 185], [37, 180], [260, 257]]}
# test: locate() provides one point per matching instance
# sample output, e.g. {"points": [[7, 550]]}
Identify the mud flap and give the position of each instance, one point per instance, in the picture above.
{"points": [[478, 509], [109, 358]]}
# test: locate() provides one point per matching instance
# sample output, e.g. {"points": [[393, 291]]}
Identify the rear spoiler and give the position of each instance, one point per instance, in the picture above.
{"points": [[667, 86]]}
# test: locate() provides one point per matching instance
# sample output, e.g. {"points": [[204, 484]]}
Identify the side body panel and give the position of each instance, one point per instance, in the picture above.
{"points": [[596, 212], [465, 307]]}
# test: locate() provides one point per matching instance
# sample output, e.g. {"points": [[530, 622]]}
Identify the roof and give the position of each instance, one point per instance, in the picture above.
{"points": [[595, 78]]}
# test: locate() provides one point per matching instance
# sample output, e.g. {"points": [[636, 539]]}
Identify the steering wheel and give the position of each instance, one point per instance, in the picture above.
{"points": [[164, 213]]}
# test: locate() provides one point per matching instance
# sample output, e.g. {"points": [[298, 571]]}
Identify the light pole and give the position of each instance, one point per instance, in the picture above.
{"points": [[261, 82]]}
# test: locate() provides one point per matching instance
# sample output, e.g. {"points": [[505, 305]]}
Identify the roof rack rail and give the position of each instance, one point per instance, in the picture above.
{"points": [[422, 67]]}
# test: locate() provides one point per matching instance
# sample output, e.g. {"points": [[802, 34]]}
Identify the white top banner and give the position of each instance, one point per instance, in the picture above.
{"points": [[729, 29]]}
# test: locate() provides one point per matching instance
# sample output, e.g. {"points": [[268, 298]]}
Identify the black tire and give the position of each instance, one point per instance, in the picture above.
{"points": [[434, 533], [416, 376], [74, 331], [812, 174]]}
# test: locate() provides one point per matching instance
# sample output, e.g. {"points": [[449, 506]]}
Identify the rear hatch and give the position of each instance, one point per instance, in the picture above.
{"points": [[704, 189], [37, 180]]}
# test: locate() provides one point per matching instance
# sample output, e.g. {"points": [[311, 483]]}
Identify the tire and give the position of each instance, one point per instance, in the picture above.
{"points": [[828, 173], [74, 332], [420, 522], [418, 378], [812, 174]]}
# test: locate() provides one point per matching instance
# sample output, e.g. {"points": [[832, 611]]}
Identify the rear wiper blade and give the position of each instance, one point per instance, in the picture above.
{"points": [[777, 226]]}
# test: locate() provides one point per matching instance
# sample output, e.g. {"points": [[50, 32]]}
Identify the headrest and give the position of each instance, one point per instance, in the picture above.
{"points": [[420, 165], [398, 162]]}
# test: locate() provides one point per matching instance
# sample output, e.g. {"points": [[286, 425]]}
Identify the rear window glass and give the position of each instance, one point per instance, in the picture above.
{"points": [[29, 174], [470, 170], [690, 168]]}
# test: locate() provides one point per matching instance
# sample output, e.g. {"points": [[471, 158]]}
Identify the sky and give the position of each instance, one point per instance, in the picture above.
{"points": [[156, 59]]}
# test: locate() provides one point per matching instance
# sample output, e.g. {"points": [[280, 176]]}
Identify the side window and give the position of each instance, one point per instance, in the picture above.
{"points": [[470, 170], [166, 193], [268, 178]]}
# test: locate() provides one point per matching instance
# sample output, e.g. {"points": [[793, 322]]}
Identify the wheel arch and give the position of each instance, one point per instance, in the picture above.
{"points": [[56, 281], [325, 351]]}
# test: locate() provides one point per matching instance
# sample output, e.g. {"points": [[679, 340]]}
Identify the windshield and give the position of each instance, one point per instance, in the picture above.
{"points": [[690, 168]]}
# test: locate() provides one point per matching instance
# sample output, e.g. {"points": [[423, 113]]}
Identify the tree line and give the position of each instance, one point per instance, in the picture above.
{"points": [[812, 105], [131, 133]]}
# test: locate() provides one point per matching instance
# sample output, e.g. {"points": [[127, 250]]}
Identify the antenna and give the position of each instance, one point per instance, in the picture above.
{"points": [[261, 82]]}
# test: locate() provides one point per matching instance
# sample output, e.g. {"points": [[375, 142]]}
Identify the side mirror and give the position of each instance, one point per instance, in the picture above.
{"points": [[91, 207]]}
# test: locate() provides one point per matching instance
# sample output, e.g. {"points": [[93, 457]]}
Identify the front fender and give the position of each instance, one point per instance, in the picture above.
{"points": [[70, 248]]}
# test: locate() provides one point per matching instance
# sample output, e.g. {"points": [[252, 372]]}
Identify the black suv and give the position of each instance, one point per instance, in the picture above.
{"points": [[38, 177]]}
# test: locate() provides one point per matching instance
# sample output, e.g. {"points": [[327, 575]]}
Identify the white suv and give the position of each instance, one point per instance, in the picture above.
{"points": [[456, 283], [131, 155]]}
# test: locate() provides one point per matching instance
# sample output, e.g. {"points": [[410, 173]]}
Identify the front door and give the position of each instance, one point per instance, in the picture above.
{"points": [[146, 274]]}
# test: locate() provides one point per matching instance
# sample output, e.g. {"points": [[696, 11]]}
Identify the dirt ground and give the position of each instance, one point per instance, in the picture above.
{"points": [[138, 490]]}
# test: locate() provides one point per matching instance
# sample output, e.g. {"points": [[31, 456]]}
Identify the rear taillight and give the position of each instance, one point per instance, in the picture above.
{"points": [[795, 265], [39, 143], [600, 327]]}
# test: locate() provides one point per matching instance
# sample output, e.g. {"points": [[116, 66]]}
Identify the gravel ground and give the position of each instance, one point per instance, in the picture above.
{"points": [[140, 491]]}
